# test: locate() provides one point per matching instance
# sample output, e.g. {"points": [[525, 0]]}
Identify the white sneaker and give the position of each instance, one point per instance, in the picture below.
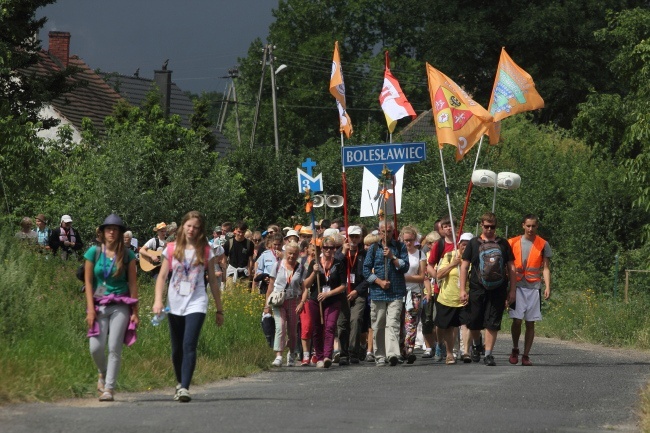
{"points": [[184, 395], [277, 362], [291, 361]]}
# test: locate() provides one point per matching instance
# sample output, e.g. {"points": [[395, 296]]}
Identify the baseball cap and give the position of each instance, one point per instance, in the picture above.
{"points": [[466, 237], [354, 230]]}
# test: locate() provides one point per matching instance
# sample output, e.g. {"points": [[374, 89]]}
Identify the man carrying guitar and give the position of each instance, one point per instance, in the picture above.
{"points": [[151, 251]]}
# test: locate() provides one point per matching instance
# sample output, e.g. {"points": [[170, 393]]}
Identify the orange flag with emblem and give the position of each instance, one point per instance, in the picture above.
{"points": [[337, 89], [459, 120], [513, 92]]}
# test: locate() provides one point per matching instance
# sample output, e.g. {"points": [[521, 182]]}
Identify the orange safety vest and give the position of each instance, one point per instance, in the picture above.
{"points": [[533, 271]]}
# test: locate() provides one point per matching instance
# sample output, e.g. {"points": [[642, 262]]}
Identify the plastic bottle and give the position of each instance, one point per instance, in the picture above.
{"points": [[157, 318]]}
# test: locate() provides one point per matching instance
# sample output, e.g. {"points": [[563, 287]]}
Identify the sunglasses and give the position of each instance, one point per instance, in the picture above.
{"points": [[329, 248], [257, 240], [489, 226]]}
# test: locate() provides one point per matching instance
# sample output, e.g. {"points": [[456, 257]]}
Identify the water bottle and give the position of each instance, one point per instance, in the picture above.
{"points": [[156, 319]]}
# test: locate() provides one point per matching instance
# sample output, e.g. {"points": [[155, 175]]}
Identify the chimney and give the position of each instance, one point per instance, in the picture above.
{"points": [[163, 79], [60, 46]]}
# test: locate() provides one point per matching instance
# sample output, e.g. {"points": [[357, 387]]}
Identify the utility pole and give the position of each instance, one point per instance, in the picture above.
{"points": [[232, 74], [259, 96], [275, 104]]}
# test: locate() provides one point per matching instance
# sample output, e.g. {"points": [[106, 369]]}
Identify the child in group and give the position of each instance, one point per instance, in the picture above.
{"points": [[188, 258]]}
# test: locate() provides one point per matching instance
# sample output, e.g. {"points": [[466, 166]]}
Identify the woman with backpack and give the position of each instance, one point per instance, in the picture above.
{"points": [[414, 278], [111, 301], [187, 258]]}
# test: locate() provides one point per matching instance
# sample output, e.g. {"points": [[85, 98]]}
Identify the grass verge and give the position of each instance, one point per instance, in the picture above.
{"points": [[44, 353]]}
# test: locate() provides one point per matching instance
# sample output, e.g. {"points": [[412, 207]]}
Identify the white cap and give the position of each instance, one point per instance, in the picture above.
{"points": [[330, 232], [354, 230], [66, 219], [467, 236], [292, 233]]}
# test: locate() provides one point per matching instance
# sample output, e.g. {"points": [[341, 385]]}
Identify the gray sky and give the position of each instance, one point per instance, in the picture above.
{"points": [[201, 38]]}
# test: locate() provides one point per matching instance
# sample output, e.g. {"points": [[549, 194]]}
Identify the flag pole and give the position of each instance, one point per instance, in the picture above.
{"points": [[469, 188], [451, 218], [309, 203], [345, 189]]}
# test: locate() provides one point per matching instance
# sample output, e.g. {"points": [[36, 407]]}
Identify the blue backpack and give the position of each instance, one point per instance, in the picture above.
{"points": [[491, 270]]}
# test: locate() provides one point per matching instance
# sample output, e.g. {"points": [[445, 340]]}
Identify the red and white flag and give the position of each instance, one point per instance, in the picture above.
{"points": [[392, 100]]}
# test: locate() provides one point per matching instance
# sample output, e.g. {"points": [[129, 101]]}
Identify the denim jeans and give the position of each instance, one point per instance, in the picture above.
{"points": [[184, 331]]}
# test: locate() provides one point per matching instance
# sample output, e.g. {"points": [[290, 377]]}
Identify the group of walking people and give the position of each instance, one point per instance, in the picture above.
{"points": [[349, 296], [336, 295]]}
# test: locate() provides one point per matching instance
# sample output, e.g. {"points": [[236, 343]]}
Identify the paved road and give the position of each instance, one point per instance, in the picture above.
{"points": [[571, 388]]}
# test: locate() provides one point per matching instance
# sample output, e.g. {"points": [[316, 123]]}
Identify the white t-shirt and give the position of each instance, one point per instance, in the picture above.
{"points": [[415, 261], [151, 244], [196, 301]]}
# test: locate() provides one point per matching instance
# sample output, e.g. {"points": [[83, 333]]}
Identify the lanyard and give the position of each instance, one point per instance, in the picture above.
{"points": [[187, 266], [354, 260], [289, 275], [326, 270], [110, 269]]}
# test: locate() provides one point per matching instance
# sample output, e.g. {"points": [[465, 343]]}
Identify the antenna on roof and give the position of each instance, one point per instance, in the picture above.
{"points": [[136, 74], [164, 66]]}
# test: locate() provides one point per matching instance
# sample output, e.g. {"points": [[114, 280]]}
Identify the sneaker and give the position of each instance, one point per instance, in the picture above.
{"points": [[393, 360], [277, 362], [314, 360], [410, 357], [525, 360], [380, 362], [305, 362], [327, 363], [320, 364], [291, 361], [514, 356], [337, 357], [489, 360], [370, 357], [184, 395], [344, 361], [438, 355], [475, 354], [427, 354], [107, 395], [353, 360], [178, 388]]}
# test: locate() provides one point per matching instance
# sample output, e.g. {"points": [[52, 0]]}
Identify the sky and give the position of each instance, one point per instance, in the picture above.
{"points": [[201, 38]]}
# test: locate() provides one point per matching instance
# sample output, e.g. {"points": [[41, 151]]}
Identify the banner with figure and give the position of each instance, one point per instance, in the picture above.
{"points": [[372, 199]]}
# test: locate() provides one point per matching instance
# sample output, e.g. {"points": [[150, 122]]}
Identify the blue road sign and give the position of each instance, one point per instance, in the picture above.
{"points": [[315, 184], [393, 154]]}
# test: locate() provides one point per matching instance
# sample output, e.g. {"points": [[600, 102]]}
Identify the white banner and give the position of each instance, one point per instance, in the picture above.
{"points": [[371, 198]]}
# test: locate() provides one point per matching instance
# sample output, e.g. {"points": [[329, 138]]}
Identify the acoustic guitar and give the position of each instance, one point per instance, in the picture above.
{"points": [[145, 262]]}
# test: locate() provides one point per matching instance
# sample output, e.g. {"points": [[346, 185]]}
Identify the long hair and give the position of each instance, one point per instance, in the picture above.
{"points": [[119, 250], [200, 243]]}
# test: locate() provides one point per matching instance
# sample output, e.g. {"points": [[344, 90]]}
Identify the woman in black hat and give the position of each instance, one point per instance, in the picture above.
{"points": [[111, 301]]}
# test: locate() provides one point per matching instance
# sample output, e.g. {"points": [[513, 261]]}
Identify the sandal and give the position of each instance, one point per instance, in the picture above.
{"points": [[450, 360], [466, 358], [101, 383], [107, 395]]}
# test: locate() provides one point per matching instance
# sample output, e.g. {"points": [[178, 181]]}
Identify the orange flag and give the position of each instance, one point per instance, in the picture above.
{"points": [[459, 120], [337, 89], [513, 92]]}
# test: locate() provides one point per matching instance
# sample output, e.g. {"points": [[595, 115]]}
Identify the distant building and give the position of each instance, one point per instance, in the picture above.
{"points": [[421, 128], [99, 94]]}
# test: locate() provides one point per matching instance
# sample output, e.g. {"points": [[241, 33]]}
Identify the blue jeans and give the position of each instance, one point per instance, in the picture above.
{"points": [[184, 331]]}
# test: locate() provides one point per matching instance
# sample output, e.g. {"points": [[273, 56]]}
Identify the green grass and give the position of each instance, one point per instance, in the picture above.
{"points": [[44, 353]]}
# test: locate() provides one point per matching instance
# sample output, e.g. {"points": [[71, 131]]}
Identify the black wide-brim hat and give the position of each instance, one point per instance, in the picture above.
{"points": [[113, 220]]}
